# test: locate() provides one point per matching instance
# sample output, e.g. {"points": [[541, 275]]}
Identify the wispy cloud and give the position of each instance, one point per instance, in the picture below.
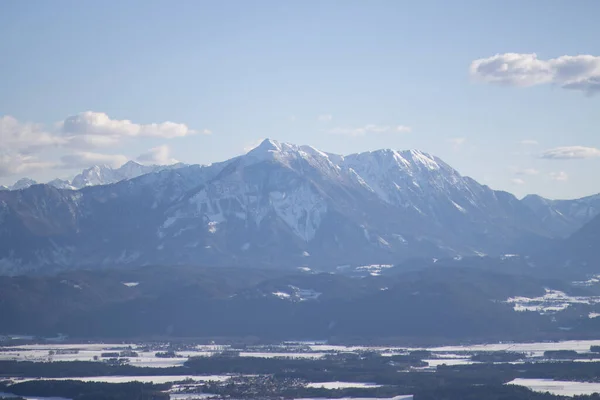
{"points": [[368, 129], [15, 163], [580, 72], [559, 176], [570, 153], [325, 117], [84, 159], [518, 181], [100, 124], [525, 171], [25, 145], [160, 155]]}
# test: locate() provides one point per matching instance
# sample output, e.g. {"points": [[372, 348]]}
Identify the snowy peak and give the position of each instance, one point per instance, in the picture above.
{"points": [[278, 205], [272, 150], [104, 175], [97, 175], [292, 156], [421, 159], [61, 184], [23, 183]]}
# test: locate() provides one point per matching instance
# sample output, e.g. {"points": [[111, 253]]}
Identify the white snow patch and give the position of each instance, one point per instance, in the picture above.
{"points": [[590, 282], [459, 208], [156, 379], [373, 269], [383, 241], [559, 388], [341, 385], [551, 302]]}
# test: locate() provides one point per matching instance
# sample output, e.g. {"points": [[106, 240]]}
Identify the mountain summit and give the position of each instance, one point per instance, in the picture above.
{"points": [[279, 205]]}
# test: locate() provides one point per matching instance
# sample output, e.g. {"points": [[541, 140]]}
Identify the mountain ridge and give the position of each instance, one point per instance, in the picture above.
{"points": [[96, 175], [279, 205]]}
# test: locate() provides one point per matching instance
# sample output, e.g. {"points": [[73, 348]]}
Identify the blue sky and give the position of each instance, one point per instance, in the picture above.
{"points": [[507, 92]]}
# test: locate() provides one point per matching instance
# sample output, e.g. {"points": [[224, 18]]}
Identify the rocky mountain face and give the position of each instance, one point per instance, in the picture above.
{"points": [[564, 217], [579, 252], [20, 184], [280, 205]]}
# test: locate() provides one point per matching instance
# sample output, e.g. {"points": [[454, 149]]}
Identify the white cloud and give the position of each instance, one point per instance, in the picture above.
{"points": [[25, 136], [160, 155], [525, 171], [99, 124], [23, 144], [91, 141], [370, 128], [570, 153], [84, 159], [581, 72], [12, 164], [325, 117], [559, 176], [518, 181], [529, 142]]}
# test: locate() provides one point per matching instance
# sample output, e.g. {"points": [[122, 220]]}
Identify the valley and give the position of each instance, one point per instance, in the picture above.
{"points": [[290, 273]]}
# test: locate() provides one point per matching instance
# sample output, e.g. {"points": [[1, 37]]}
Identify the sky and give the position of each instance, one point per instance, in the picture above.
{"points": [[507, 92]]}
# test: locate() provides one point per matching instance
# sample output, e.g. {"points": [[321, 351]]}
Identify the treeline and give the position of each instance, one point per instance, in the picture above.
{"points": [[77, 390], [65, 369]]}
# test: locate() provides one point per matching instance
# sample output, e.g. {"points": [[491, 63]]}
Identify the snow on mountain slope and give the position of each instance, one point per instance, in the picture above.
{"points": [[385, 201], [104, 175], [564, 217], [279, 205], [97, 175], [22, 183]]}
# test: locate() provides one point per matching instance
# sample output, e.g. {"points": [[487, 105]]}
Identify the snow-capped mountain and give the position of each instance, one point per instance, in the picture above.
{"points": [[22, 183], [104, 175], [280, 205], [61, 184], [564, 217], [97, 175]]}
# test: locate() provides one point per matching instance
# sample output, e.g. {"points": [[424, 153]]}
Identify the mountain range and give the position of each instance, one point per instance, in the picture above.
{"points": [[96, 175], [279, 205]]}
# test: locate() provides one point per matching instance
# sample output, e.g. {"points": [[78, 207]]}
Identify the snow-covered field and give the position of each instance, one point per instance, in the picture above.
{"points": [[144, 379], [448, 355], [551, 302], [403, 397], [10, 395], [532, 349], [189, 396], [560, 388], [341, 385], [449, 361]]}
